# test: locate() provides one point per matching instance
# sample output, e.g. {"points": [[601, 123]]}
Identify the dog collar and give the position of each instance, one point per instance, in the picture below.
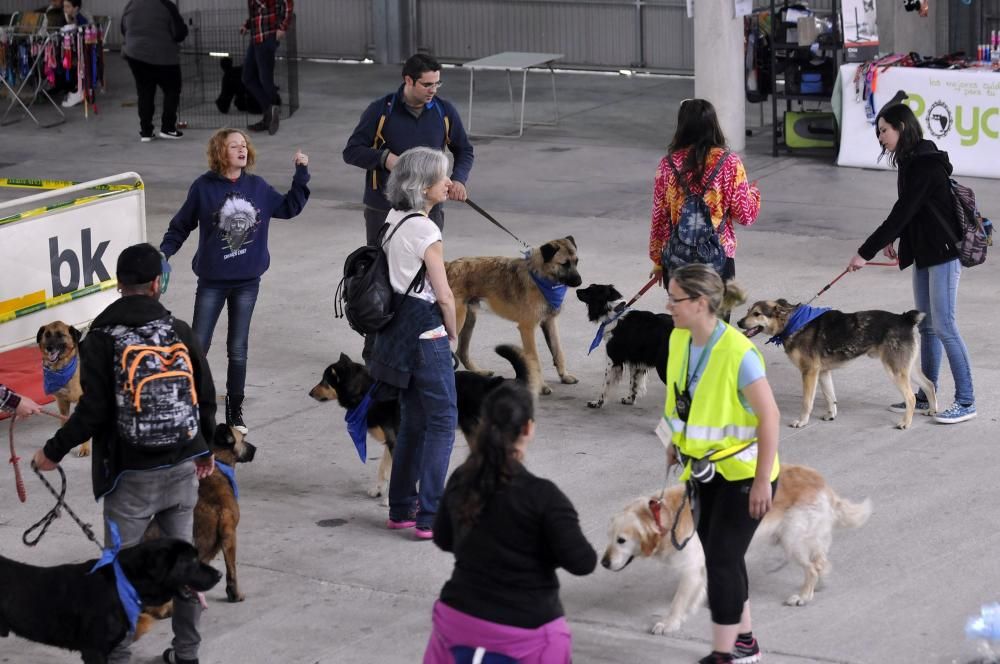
{"points": [[553, 291], [655, 506], [802, 316], [602, 327], [56, 379], [230, 474], [127, 594]]}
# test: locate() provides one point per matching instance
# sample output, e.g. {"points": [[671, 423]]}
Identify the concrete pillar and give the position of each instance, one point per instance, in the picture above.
{"points": [[394, 29], [718, 66]]}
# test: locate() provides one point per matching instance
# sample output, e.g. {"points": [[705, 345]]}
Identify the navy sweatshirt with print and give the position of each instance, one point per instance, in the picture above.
{"points": [[232, 219]]}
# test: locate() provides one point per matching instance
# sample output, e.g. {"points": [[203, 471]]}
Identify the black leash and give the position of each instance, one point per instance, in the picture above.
{"points": [[495, 222], [53, 514]]}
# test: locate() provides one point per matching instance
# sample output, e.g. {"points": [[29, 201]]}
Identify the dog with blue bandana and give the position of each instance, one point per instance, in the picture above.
{"points": [[59, 344], [527, 290], [819, 339]]}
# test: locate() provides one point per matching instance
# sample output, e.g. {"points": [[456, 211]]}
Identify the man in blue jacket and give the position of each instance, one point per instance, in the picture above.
{"points": [[410, 117]]}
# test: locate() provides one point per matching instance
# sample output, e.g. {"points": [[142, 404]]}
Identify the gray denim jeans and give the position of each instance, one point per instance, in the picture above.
{"points": [[168, 496]]}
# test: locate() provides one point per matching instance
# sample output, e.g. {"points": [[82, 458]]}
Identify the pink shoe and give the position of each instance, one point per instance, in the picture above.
{"points": [[423, 534], [400, 525]]}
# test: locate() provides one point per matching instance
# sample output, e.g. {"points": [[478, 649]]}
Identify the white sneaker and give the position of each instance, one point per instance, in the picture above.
{"points": [[72, 99]]}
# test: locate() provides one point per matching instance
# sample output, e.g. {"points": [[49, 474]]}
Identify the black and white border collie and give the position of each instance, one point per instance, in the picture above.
{"points": [[637, 341]]}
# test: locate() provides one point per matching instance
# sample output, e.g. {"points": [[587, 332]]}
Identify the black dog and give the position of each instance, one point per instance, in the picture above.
{"points": [[234, 92], [638, 340], [65, 607], [347, 382]]}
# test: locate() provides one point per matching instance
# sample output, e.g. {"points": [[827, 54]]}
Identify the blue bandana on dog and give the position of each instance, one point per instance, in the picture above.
{"points": [[126, 591], [357, 423], [553, 291], [801, 317], [56, 379], [230, 475]]}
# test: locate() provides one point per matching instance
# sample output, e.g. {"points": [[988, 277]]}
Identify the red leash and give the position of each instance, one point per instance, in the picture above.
{"points": [[22, 493], [895, 263], [642, 291]]}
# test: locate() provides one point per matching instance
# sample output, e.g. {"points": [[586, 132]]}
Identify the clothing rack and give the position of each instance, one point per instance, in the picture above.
{"points": [[40, 57], [21, 61]]}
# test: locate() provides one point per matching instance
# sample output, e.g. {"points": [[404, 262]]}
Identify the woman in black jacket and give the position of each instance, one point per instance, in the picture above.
{"points": [[924, 222], [509, 531]]}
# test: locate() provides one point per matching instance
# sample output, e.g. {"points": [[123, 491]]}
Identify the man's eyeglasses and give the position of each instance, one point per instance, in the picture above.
{"points": [[430, 86]]}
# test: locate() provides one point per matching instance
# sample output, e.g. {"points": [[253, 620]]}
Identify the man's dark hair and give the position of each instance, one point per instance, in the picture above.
{"points": [[901, 118], [76, 3], [417, 64]]}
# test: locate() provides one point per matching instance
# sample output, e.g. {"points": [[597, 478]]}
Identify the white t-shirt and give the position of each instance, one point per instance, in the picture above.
{"points": [[405, 251]]}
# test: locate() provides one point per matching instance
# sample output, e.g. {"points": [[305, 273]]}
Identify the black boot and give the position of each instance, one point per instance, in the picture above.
{"points": [[234, 413], [170, 657]]}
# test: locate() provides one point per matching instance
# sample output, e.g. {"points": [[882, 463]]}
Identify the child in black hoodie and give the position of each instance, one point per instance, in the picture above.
{"points": [[232, 210]]}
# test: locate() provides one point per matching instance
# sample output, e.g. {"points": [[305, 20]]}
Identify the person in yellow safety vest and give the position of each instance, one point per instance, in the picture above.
{"points": [[721, 422]]}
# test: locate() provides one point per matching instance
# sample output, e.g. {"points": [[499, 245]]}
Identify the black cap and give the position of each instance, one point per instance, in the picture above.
{"points": [[138, 264]]}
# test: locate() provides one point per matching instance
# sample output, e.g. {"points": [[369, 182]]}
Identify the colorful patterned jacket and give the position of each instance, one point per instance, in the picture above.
{"points": [[9, 401], [730, 197]]}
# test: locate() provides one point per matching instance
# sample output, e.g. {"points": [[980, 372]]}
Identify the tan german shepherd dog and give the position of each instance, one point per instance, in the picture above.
{"points": [[59, 343], [507, 288]]}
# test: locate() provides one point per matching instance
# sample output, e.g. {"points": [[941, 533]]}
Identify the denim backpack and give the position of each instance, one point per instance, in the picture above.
{"points": [[693, 239]]}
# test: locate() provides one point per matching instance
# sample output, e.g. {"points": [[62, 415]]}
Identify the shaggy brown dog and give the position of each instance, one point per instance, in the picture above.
{"points": [[59, 344], [507, 287], [836, 337]]}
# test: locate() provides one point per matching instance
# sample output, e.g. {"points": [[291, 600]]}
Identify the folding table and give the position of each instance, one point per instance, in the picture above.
{"points": [[513, 61]]}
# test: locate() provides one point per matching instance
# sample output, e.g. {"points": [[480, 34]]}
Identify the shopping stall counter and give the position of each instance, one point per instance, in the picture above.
{"points": [[958, 109]]}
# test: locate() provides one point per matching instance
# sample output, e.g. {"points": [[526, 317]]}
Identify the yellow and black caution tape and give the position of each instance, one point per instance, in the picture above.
{"points": [[57, 300], [19, 216], [29, 183]]}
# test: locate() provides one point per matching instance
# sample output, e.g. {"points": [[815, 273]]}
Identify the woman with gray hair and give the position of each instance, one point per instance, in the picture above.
{"points": [[413, 352]]}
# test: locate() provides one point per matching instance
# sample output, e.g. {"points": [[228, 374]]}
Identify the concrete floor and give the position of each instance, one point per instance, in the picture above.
{"points": [[326, 583]]}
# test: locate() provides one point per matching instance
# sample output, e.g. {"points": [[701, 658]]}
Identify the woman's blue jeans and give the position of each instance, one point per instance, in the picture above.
{"points": [[240, 301], [935, 292], [428, 414]]}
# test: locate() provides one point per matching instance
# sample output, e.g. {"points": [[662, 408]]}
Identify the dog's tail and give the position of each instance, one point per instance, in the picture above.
{"points": [[851, 515], [913, 317], [515, 356]]}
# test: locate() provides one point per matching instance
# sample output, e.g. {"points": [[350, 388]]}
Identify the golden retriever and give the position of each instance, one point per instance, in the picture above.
{"points": [[802, 518]]}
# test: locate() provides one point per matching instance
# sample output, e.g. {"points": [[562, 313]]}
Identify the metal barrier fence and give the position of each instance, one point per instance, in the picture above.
{"points": [[211, 63]]}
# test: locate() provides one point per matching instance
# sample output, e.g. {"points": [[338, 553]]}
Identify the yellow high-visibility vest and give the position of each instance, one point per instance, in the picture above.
{"points": [[718, 425]]}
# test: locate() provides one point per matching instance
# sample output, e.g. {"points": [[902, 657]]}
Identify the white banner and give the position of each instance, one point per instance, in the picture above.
{"points": [[957, 109], [60, 265]]}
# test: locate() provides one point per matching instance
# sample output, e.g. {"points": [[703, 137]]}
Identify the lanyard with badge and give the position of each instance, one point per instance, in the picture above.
{"points": [[682, 398]]}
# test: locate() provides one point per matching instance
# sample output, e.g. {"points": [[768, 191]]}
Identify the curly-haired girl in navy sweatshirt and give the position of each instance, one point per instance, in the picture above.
{"points": [[232, 210]]}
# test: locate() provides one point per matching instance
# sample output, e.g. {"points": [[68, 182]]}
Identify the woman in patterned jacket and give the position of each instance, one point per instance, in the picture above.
{"points": [[694, 153]]}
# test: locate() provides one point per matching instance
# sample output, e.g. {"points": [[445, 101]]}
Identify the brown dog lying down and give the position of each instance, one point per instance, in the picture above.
{"points": [[509, 288], [802, 518], [67, 607], [217, 513], [59, 344]]}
